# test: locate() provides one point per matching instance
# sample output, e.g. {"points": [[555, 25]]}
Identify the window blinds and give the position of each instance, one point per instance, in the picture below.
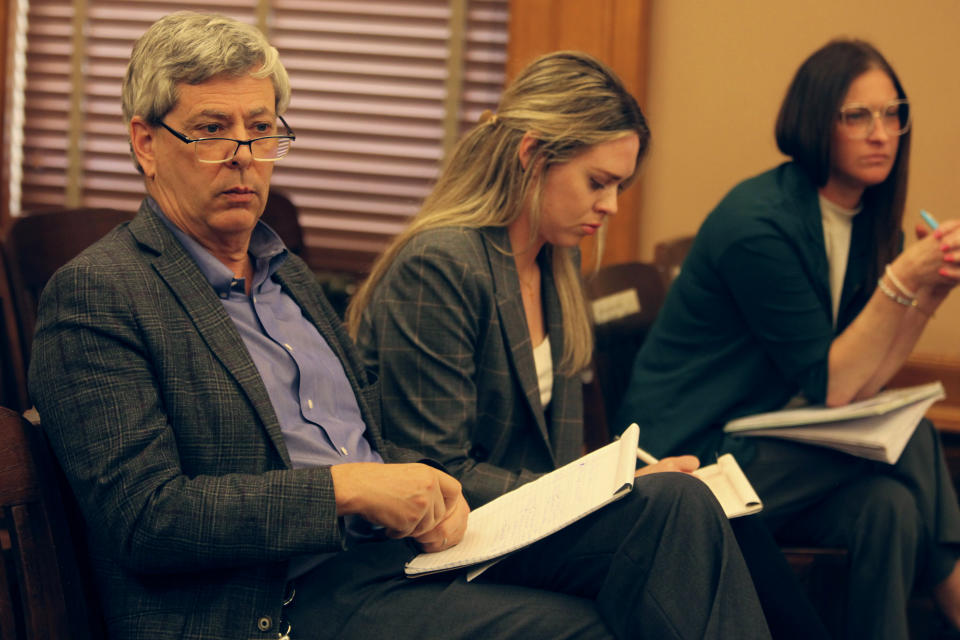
{"points": [[370, 98]]}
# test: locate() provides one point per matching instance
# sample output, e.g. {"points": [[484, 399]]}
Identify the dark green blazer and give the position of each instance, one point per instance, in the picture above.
{"points": [[748, 323], [166, 433]]}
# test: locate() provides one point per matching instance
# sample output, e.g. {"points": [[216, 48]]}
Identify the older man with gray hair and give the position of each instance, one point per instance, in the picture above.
{"points": [[221, 435]]}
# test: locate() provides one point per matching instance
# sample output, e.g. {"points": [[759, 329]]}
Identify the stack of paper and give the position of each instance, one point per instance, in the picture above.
{"points": [[541, 507], [730, 486], [878, 428]]}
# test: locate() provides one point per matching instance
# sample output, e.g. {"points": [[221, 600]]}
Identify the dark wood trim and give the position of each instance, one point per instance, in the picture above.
{"points": [[616, 32], [5, 22], [922, 368]]}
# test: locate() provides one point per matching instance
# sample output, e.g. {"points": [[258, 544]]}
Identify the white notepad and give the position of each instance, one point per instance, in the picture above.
{"points": [[730, 486], [877, 428], [538, 508]]}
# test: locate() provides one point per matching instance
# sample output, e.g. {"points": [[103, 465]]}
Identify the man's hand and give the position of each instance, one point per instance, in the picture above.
{"points": [[450, 530], [684, 464], [408, 500]]}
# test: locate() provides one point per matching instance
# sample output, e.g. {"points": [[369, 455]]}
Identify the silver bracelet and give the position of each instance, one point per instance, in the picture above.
{"points": [[899, 285], [893, 295]]}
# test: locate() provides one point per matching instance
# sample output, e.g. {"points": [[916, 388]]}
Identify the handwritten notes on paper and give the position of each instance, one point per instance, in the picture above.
{"points": [[541, 507]]}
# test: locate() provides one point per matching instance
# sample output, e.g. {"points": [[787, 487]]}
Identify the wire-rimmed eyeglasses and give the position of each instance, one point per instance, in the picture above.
{"points": [[217, 150], [859, 120]]}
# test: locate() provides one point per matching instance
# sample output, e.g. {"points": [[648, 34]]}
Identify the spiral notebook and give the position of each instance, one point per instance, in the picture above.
{"points": [[538, 508]]}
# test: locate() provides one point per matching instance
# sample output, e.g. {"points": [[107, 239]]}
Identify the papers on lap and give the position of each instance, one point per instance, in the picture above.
{"points": [[877, 428], [730, 486], [541, 507]]}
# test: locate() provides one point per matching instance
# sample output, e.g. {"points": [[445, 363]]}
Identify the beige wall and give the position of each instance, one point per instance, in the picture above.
{"points": [[718, 70]]}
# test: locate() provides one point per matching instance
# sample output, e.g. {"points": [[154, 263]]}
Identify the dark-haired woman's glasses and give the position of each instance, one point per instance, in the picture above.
{"points": [[858, 120]]}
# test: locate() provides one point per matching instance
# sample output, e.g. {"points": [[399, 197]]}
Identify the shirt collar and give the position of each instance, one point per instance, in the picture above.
{"points": [[832, 208], [266, 249]]}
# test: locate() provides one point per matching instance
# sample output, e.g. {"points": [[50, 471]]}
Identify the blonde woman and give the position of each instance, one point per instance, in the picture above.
{"points": [[474, 317]]}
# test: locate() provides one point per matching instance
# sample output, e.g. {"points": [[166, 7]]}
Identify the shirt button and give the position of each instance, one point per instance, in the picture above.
{"points": [[343, 450], [265, 623], [309, 403]]}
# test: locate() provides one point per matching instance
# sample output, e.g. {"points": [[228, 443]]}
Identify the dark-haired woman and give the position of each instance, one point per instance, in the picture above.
{"points": [[794, 289]]}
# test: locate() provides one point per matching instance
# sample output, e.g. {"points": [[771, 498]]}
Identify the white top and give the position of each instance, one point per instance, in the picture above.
{"points": [[544, 363], [837, 229]]}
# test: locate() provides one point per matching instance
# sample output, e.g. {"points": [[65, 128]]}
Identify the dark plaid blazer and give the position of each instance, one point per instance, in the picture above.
{"points": [[166, 433], [446, 332]]}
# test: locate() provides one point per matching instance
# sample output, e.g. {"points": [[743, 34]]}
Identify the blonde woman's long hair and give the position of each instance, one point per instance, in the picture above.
{"points": [[570, 101]]}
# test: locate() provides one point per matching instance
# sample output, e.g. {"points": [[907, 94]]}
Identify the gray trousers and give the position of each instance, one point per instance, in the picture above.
{"points": [[900, 523], [659, 563]]}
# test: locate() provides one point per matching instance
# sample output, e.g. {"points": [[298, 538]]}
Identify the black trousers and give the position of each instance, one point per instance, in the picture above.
{"points": [[789, 612], [900, 523], [660, 563]]}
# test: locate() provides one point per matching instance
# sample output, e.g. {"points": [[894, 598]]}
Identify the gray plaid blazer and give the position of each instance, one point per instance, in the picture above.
{"points": [[447, 334], [166, 433]]}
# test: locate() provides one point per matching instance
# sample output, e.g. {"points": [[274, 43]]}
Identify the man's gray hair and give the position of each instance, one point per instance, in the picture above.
{"points": [[192, 47]]}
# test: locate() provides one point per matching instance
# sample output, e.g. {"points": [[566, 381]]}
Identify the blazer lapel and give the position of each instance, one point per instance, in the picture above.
{"points": [[554, 319], [180, 273], [812, 246], [513, 322]]}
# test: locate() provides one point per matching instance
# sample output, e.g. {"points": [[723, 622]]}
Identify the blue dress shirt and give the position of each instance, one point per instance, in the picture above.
{"points": [[308, 387]]}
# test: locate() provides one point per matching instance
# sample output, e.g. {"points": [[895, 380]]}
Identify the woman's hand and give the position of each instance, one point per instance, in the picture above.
{"points": [[949, 235], [875, 345], [931, 261], [684, 464], [930, 297]]}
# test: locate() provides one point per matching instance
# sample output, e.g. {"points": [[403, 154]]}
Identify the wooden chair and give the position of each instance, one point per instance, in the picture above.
{"points": [[13, 375], [284, 218], [46, 592], [37, 244], [669, 255], [625, 299]]}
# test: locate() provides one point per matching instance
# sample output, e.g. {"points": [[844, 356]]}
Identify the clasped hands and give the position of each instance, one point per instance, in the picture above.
{"points": [[931, 266], [940, 249], [408, 500]]}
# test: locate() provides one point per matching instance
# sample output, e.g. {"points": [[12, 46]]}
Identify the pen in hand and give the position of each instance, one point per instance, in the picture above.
{"points": [[929, 219], [645, 457], [681, 464]]}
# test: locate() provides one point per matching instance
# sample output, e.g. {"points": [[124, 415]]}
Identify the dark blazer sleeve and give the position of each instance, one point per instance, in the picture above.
{"points": [[433, 333], [160, 438], [767, 249]]}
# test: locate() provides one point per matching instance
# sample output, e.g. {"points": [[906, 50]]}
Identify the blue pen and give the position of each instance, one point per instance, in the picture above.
{"points": [[929, 219]]}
